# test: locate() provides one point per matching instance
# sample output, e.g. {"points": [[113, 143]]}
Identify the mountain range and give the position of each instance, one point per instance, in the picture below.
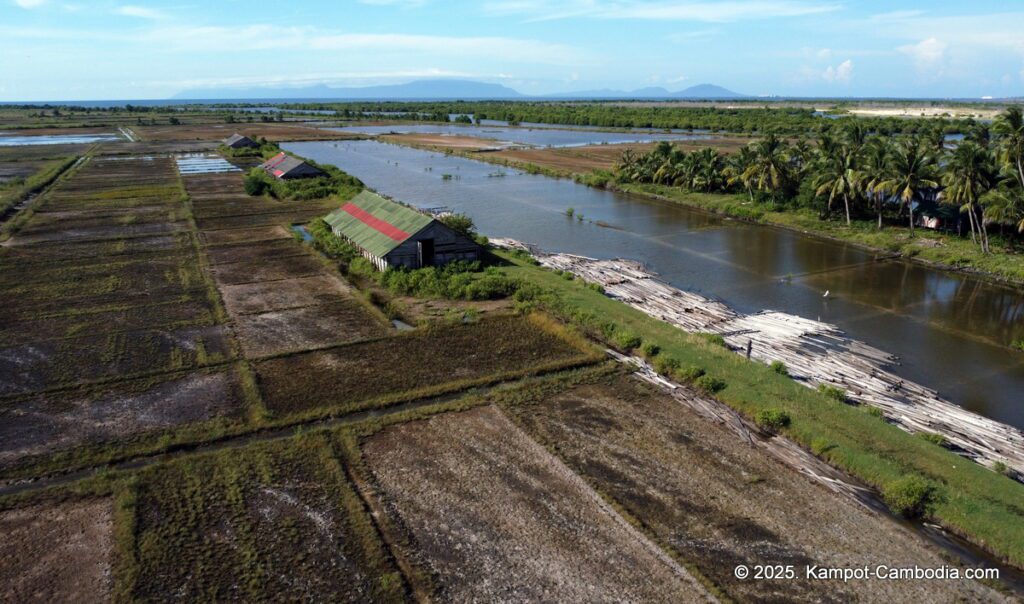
{"points": [[445, 89]]}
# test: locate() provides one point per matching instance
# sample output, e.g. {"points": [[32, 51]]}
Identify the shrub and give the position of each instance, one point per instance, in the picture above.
{"points": [[570, 211], [650, 350], [834, 393], [779, 367], [1018, 344], [255, 182], [909, 496], [666, 365], [820, 446], [875, 412], [1001, 468], [713, 338], [627, 340], [688, 374], [772, 420], [460, 223], [710, 384], [932, 437]]}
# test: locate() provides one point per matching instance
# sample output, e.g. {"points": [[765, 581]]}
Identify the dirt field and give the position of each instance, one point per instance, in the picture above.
{"points": [[498, 519], [57, 553], [411, 363], [273, 522], [717, 502], [337, 322], [37, 425], [461, 143]]}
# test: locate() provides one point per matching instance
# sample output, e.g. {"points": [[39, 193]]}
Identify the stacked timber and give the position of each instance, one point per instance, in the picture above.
{"points": [[814, 353]]}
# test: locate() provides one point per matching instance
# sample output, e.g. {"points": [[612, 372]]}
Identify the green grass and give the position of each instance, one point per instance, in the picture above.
{"points": [[968, 499], [943, 249]]}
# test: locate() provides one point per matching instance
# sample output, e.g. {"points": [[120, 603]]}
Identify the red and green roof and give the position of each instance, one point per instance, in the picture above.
{"points": [[376, 224]]}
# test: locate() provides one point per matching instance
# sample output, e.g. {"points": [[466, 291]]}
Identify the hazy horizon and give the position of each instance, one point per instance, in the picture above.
{"points": [[68, 51]]}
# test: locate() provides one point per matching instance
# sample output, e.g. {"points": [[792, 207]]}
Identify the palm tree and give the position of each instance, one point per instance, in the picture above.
{"points": [[1009, 126], [913, 170], [836, 175], [736, 169], [967, 177], [1005, 207], [770, 170], [708, 169], [874, 170]]}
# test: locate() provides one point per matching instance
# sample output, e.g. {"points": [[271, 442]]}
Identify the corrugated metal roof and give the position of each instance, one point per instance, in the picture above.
{"points": [[282, 164], [375, 224], [239, 140]]}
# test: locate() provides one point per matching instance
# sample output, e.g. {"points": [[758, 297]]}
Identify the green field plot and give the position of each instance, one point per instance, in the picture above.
{"points": [[88, 425], [260, 219], [270, 522], [414, 364]]}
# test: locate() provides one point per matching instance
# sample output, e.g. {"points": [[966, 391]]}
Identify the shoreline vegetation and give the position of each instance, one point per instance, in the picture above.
{"points": [[916, 477], [989, 204]]}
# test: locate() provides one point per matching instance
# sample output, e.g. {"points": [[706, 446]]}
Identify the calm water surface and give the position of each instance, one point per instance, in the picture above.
{"points": [[951, 331], [540, 136]]}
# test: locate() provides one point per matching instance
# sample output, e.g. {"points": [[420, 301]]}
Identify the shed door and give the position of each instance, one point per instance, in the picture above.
{"points": [[426, 248]]}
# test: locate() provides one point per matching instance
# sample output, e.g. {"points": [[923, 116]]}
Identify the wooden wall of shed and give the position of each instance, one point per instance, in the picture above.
{"points": [[449, 246]]}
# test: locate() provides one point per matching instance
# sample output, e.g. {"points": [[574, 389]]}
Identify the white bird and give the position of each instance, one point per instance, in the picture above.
{"points": [[826, 293]]}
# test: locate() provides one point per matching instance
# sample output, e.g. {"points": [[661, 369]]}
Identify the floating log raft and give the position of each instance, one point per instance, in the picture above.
{"points": [[813, 352]]}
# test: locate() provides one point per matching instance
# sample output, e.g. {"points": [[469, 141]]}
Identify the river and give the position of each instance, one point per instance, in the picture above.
{"points": [[538, 137], [951, 331]]}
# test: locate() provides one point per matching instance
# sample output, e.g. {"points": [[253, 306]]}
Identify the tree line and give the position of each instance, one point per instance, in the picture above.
{"points": [[855, 172]]}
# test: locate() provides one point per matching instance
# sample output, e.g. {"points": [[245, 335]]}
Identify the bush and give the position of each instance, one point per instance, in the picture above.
{"points": [[688, 374], [772, 420], [627, 340], [834, 393], [666, 366], [460, 223], [650, 350], [779, 367], [709, 383], [820, 446], [1001, 468], [255, 182], [713, 338], [909, 496], [875, 412]]}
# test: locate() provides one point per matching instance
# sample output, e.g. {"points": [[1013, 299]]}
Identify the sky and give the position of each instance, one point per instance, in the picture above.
{"points": [[79, 50]]}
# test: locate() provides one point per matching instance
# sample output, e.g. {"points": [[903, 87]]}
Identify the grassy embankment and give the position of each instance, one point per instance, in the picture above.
{"points": [[13, 193], [962, 496]]}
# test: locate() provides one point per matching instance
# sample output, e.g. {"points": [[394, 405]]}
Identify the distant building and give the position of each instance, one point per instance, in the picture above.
{"points": [[237, 141], [390, 234], [287, 167]]}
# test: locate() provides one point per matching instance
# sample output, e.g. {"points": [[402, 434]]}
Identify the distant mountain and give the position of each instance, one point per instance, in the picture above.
{"points": [[417, 90], [707, 91], [439, 90]]}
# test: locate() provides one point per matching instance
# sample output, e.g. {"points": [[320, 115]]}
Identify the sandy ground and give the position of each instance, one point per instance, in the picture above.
{"points": [[498, 519], [927, 111], [719, 502], [57, 553]]}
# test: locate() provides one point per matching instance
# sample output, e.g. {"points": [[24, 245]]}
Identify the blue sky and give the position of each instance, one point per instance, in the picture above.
{"points": [[73, 49]]}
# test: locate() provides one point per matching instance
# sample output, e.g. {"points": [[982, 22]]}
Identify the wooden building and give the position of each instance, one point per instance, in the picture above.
{"points": [[390, 234], [237, 141], [285, 167]]}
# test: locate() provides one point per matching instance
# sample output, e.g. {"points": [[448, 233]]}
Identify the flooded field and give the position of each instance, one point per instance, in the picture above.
{"points": [[9, 140], [546, 136], [951, 331]]}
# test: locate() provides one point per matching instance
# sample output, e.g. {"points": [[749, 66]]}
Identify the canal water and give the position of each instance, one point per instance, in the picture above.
{"points": [[538, 137], [952, 332]]}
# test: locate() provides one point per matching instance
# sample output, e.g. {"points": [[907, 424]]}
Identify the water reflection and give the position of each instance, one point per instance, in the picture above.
{"points": [[950, 330]]}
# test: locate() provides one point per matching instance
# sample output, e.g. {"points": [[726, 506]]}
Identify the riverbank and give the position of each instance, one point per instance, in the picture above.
{"points": [[939, 250], [963, 497], [931, 248]]}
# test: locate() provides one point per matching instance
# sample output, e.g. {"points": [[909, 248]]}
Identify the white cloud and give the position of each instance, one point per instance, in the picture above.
{"points": [[843, 73], [676, 79], [139, 12], [927, 53], [29, 3], [664, 10]]}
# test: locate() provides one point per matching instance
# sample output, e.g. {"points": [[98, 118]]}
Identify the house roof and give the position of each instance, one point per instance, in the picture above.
{"points": [[283, 164], [236, 138], [376, 224]]}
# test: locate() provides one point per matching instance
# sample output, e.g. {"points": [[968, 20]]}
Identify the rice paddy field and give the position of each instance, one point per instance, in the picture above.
{"points": [[196, 405]]}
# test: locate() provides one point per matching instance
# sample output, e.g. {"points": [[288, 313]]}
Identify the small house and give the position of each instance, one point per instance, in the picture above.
{"points": [[286, 167], [390, 234], [237, 141]]}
